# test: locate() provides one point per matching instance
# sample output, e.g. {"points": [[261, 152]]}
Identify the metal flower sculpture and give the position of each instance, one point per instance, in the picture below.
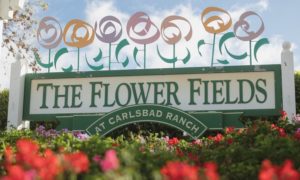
{"points": [[49, 35], [243, 32], [146, 35], [175, 37], [77, 38], [215, 24], [108, 31]]}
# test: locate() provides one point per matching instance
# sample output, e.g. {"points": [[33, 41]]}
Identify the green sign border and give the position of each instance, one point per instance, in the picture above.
{"points": [[147, 72]]}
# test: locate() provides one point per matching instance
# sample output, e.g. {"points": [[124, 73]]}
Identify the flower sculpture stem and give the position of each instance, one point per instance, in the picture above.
{"points": [[144, 56], [250, 53], [49, 60], [78, 54], [174, 49], [213, 50], [109, 56]]}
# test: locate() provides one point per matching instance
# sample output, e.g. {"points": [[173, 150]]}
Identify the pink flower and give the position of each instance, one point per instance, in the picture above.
{"points": [[97, 158], [296, 118], [110, 161], [197, 142]]}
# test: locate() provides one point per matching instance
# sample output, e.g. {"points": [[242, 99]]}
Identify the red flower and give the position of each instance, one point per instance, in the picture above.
{"points": [[179, 170], [110, 161], [30, 164], [273, 126], [297, 135], [179, 152], [285, 172], [211, 171], [230, 141], [78, 162], [218, 138], [9, 155], [115, 145], [229, 130], [27, 146], [50, 172], [193, 157], [173, 141], [288, 172], [27, 151], [267, 171], [281, 132], [16, 172], [283, 115]]}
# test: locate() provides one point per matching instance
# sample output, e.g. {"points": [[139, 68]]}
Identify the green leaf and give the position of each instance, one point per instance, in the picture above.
{"points": [[200, 43], [119, 47], [68, 69], [95, 68], [223, 61], [167, 60], [187, 58], [126, 62], [38, 60], [58, 55], [135, 51], [224, 38], [258, 45], [99, 56], [236, 57]]}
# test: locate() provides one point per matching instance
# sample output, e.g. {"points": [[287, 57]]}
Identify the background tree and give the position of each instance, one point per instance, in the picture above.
{"points": [[19, 34], [3, 108]]}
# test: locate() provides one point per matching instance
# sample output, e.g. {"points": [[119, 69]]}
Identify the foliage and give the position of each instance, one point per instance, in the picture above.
{"points": [[4, 95], [261, 150]]}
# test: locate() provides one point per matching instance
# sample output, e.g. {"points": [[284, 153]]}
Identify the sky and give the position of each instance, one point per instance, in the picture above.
{"points": [[279, 18]]}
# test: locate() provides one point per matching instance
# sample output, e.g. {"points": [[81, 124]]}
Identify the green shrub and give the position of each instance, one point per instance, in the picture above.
{"points": [[237, 153], [297, 89], [3, 108]]}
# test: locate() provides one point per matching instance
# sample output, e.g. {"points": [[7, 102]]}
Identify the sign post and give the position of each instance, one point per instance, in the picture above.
{"points": [[288, 80]]}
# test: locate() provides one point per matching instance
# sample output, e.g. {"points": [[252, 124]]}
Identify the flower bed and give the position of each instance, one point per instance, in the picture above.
{"points": [[261, 151]]}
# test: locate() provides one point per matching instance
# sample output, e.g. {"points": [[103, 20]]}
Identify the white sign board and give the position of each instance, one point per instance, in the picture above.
{"points": [[188, 92]]}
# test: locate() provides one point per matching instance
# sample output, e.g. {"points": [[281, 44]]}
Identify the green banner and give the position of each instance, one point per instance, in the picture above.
{"points": [[148, 113]]}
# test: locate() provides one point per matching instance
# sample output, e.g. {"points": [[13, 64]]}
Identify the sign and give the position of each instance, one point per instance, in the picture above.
{"points": [[190, 99], [252, 90]]}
